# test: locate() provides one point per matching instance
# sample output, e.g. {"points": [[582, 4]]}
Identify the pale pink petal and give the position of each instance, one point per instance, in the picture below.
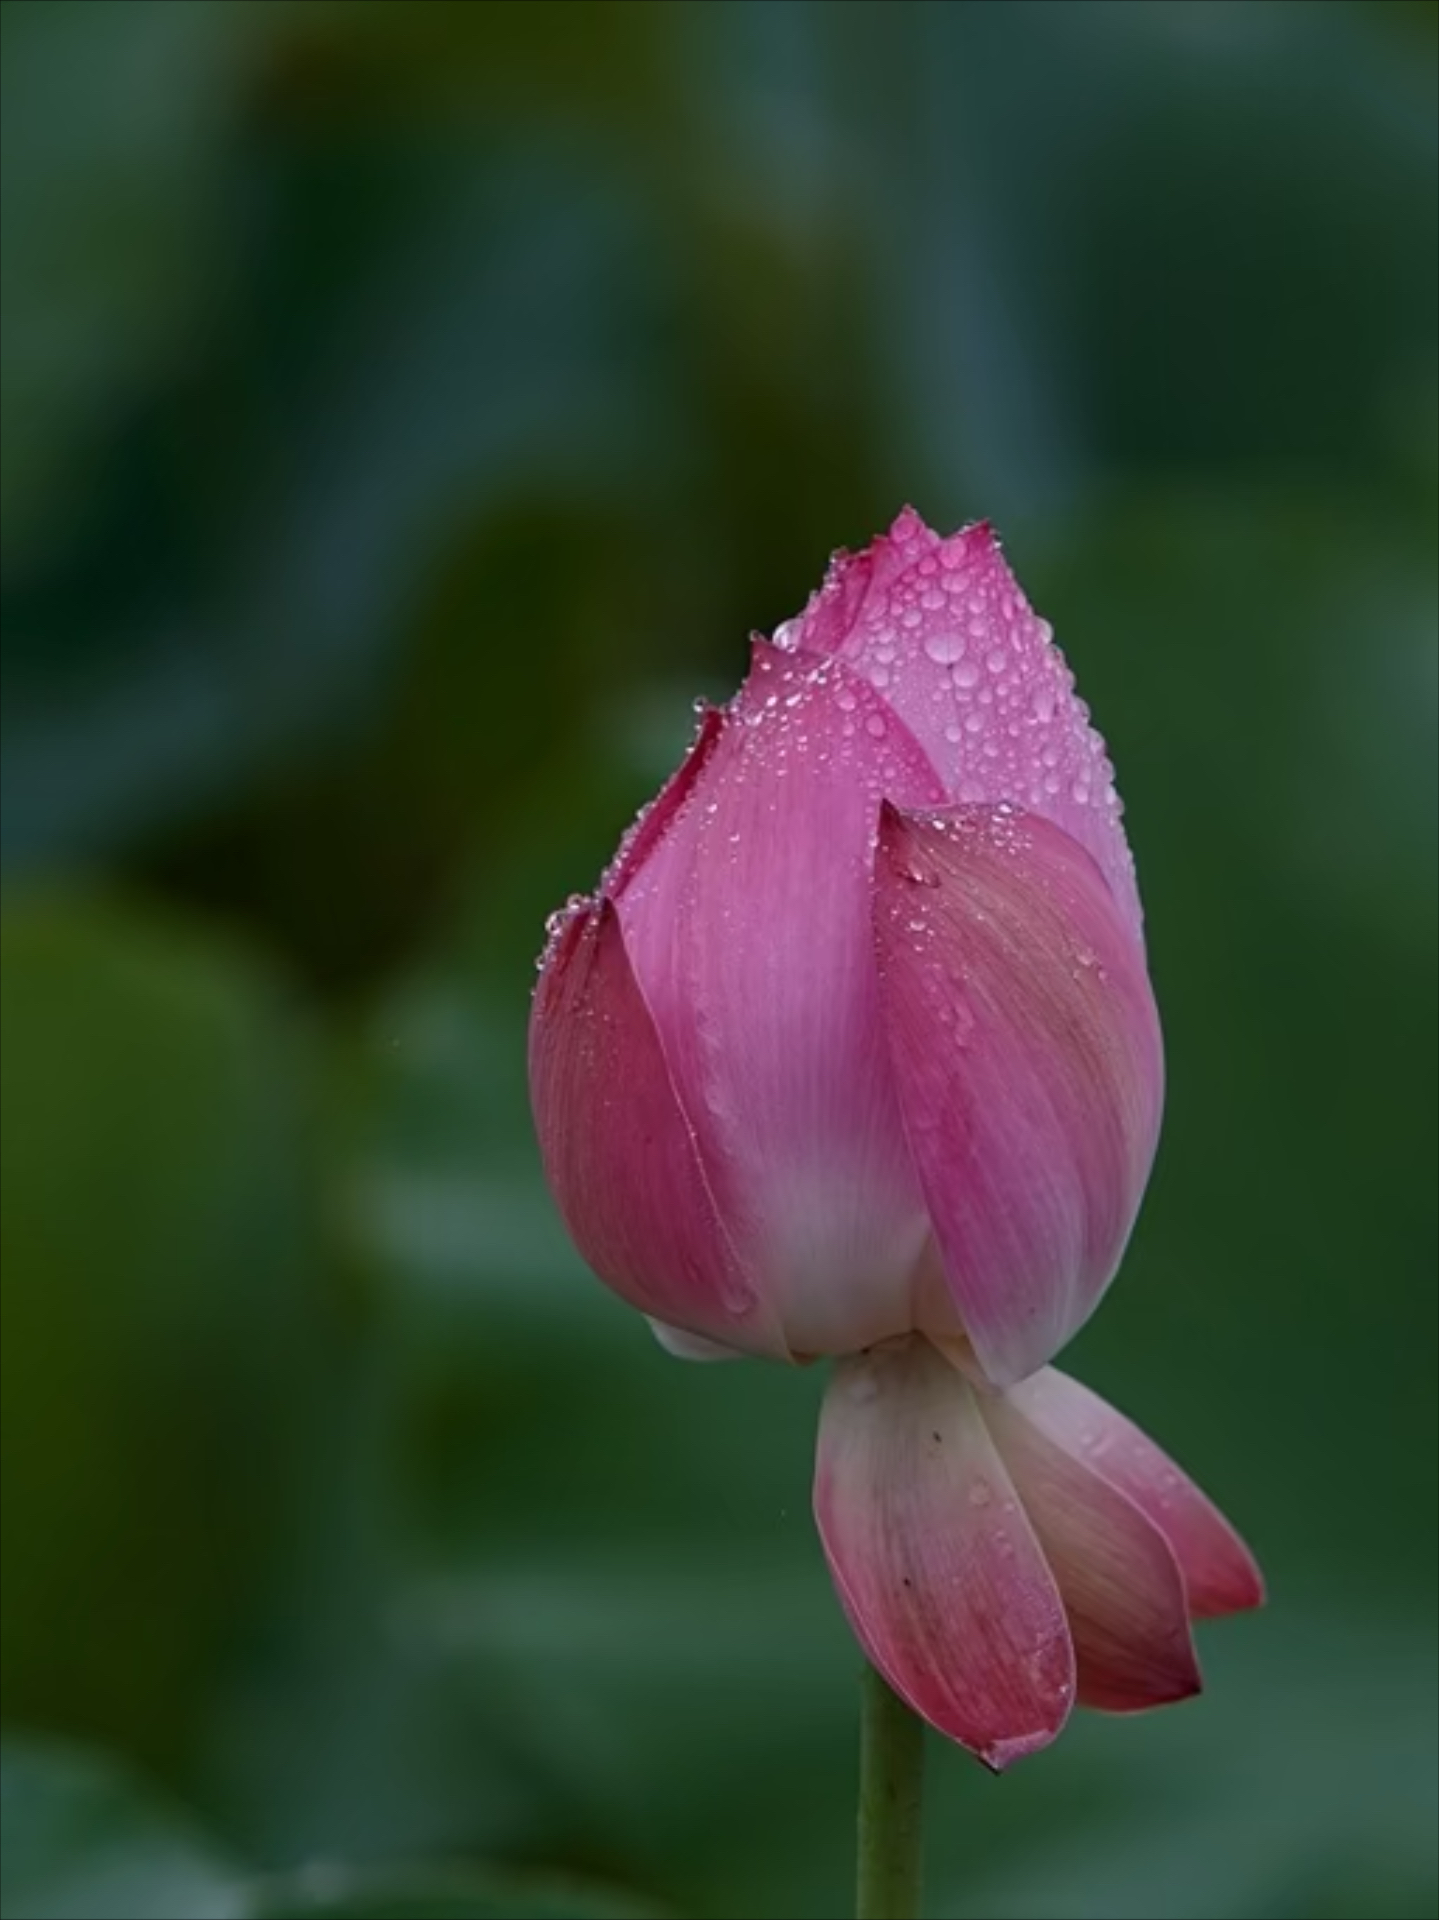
{"points": [[1028, 1063], [1219, 1571], [1122, 1588], [936, 1565], [618, 1152], [942, 628], [691, 1346], [748, 925]]}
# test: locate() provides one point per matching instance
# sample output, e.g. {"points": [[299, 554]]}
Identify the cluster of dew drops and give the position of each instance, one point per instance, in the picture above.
{"points": [[998, 721]]}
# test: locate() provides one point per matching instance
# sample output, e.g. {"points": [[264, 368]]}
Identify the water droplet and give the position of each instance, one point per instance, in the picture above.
{"points": [[980, 1493], [953, 734], [1043, 702], [966, 674], [945, 647], [845, 700], [875, 727], [879, 676], [996, 659]]}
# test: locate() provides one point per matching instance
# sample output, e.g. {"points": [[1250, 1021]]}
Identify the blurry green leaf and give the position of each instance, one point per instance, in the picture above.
{"points": [[1321, 1802], [115, 116], [156, 1328], [1213, 255], [80, 1839], [437, 1893]]}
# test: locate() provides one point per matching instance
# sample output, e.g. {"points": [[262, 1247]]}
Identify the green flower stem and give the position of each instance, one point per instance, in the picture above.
{"points": [[891, 1804]]}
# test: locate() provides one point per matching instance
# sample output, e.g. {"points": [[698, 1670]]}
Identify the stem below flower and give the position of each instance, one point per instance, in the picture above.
{"points": [[891, 1796]]}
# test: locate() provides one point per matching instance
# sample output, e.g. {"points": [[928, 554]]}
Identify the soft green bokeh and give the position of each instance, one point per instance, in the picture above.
{"points": [[408, 407]]}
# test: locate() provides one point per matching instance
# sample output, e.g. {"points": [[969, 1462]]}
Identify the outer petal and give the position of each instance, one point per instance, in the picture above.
{"points": [[942, 628], [618, 1152], [935, 1563], [691, 1346], [748, 924], [1122, 1587], [1219, 1571], [1027, 1056]]}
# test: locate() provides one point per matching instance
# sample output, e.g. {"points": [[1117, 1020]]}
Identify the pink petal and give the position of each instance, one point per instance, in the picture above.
{"points": [[942, 628], [657, 821], [1219, 1571], [1027, 1056], [1122, 1587], [856, 583], [748, 925], [935, 1563], [617, 1149]]}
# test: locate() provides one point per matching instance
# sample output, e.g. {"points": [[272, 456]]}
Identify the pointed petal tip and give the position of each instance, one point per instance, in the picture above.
{"points": [[1001, 1755], [976, 540], [1238, 1587], [564, 931], [680, 1344], [1221, 1575], [1168, 1689], [654, 821]]}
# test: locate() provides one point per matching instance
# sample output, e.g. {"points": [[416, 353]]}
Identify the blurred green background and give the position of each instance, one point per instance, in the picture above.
{"points": [[407, 410]]}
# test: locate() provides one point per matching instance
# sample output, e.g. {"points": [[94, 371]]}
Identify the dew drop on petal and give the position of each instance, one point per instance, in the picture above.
{"points": [[945, 647]]}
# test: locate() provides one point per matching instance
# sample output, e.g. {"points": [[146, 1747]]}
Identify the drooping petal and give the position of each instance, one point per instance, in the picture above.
{"points": [[618, 1151], [943, 629], [937, 1568], [1220, 1574], [1122, 1588], [748, 925], [1028, 1063]]}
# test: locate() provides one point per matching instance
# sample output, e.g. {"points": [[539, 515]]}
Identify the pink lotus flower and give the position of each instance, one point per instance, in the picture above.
{"points": [[854, 1052]]}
